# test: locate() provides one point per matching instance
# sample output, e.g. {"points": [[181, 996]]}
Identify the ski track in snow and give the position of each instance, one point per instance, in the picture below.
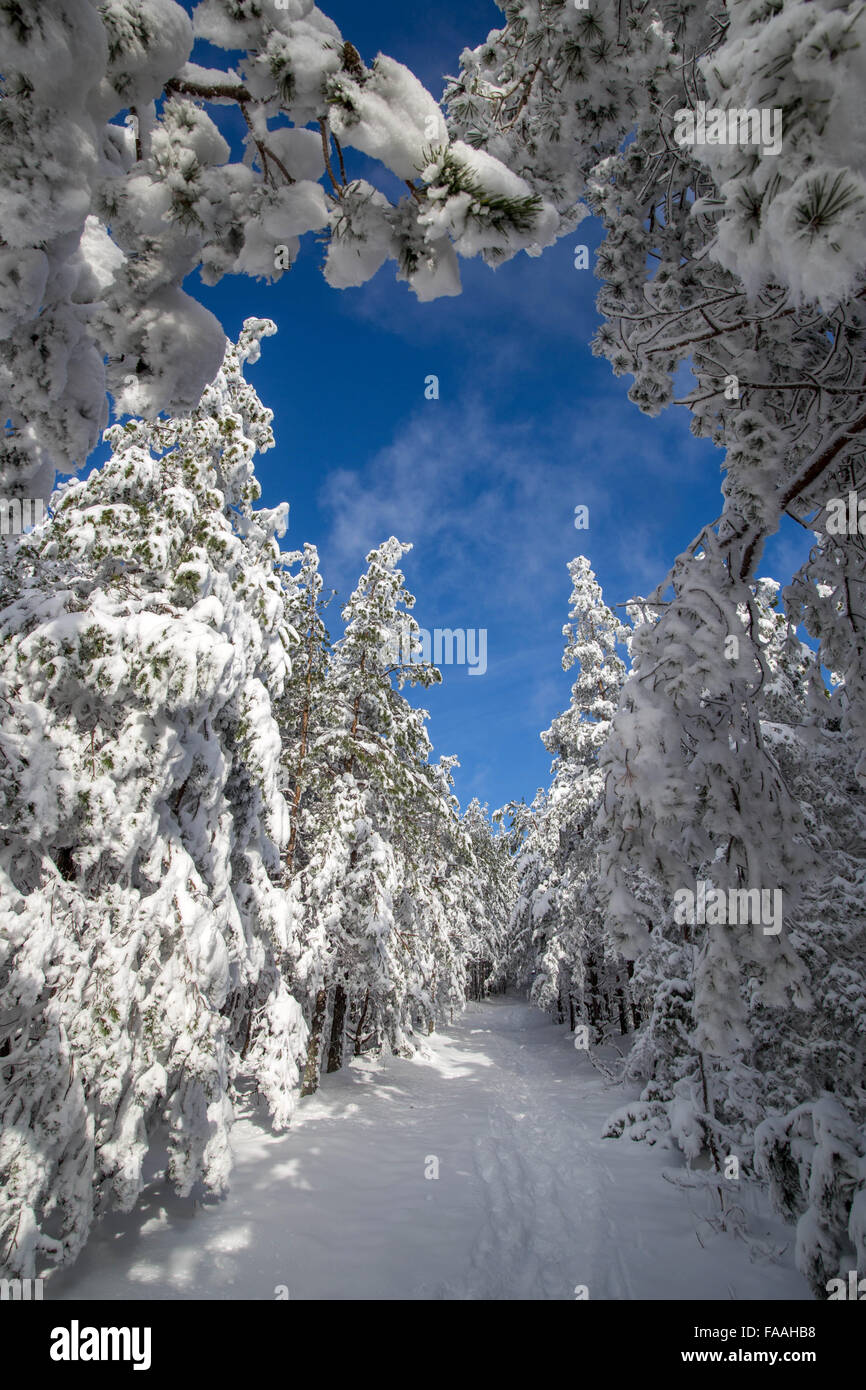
{"points": [[530, 1201]]}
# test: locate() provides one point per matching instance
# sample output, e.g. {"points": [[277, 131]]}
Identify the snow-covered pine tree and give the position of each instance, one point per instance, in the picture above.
{"points": [[788, 1099], [305, 713], [596, 986], [812, 1062], [381, 851], [748, 268], [143, 639], [489, 894], [718, 253], [559, 943], [531, 854], [119, 183], [694, 794], [430, 920]]}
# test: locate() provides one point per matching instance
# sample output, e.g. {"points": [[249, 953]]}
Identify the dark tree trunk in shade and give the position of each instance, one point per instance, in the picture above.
{"points": [[335, 1051], [359, 1034], [623, 1008], [629, 965], [592, 1000], [311, 1070]]}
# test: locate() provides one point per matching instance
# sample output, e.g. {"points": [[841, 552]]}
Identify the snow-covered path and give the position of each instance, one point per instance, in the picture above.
{"points": [[529, 1203]]}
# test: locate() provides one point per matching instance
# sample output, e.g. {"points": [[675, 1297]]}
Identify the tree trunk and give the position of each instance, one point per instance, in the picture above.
{"points": [[311, 1070], [629, 965], [623, 1011], [593, 1011], [710, 1111], [305, 725], [335, 1050], [359, 1034]]}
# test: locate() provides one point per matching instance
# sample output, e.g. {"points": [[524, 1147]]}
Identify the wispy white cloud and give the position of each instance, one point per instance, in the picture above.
{"points": [[483, 503]]}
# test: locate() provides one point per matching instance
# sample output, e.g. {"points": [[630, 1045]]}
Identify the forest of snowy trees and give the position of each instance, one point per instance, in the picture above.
{"points": [[227, 859], [226, 852]]}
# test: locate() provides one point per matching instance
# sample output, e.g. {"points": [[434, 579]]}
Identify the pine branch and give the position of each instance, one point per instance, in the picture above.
{"points": [[326, 152]]}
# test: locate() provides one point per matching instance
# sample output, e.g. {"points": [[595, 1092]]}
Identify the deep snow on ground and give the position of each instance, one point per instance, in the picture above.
{"points": [[530, 1202]]}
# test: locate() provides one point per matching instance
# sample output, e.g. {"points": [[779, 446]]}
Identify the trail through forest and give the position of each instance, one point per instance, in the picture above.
{"points": [[529, 1203]]}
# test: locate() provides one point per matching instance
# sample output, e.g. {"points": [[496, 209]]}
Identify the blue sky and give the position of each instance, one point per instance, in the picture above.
{"points": [[484, 481]]}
